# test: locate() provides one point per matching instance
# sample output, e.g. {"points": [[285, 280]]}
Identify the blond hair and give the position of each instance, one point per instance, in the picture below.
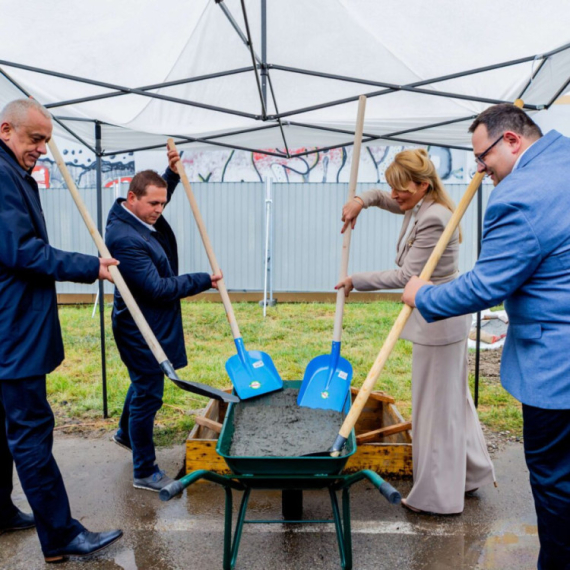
{"points": [[416, 166]]}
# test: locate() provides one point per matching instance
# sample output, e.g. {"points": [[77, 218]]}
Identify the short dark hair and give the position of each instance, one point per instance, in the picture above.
{"points": [[506, 117], [141, 180]]}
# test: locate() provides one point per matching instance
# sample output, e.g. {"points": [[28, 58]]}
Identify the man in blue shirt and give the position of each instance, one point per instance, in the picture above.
{"points": [[525, 263], [30, 340]]}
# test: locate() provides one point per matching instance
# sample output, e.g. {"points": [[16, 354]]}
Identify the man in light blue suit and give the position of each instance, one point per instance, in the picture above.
{"points": [[525, 262]]}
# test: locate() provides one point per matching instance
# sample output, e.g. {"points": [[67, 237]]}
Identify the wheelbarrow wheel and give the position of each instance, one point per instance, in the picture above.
{"points": [[292, 504]]}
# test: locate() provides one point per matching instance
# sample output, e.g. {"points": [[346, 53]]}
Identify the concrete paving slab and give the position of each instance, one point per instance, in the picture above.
{"points": [[496, 531]]}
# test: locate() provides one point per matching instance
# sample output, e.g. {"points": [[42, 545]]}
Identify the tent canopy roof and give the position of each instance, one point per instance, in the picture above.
{"points": [[145, 69]]}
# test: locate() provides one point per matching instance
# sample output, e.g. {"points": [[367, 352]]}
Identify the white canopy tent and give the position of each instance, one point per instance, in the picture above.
{"points": [[275, 75], [143, 69]]}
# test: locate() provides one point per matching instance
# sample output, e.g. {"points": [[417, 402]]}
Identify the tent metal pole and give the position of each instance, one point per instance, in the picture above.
{"points": [[183, 140], [535, 74], [236, 27], [429, 81], [558, 93], [56, 119], [257, 79], [264, 50], [101, 282], [131, 91], [387, 135], [150, 87], [266, 272], [478, 340], [370, 139], [392, 90], [76, 119], [278, 120], [272, 302]]}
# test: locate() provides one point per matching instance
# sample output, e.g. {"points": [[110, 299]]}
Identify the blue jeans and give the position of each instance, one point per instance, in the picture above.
{"points": [[136, 426], [547, 453], [26, 439]]}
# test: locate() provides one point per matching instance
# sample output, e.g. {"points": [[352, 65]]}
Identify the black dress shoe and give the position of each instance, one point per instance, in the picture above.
{"points": [[84, 544], [19, 521], [122, 442]]}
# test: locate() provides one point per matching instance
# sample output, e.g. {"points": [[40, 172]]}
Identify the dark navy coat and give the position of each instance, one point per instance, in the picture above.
{"points": [[149, 264], [30, 335]]}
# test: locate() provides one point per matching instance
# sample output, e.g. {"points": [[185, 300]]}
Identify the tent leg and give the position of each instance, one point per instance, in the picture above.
{"points": [[101, 283]]}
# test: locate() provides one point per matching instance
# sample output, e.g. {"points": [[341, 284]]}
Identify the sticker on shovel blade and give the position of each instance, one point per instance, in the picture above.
{"points": [[255, 385], [258, 364], [343, 375]]}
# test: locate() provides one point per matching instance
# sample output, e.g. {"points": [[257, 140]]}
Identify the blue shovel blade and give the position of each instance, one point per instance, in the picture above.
{"points": [[326, 385], [252, 373]]}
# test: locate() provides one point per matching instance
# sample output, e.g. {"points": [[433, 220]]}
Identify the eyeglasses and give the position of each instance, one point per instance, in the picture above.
{"points": [[479, 157]]}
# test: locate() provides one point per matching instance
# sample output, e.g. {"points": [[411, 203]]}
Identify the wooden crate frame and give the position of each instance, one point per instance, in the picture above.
{"points": [[385, 454]]}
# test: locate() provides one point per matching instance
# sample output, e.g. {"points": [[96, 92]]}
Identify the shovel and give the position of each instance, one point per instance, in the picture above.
{"points": [[159, 354], [327, 377], [252, 372]]}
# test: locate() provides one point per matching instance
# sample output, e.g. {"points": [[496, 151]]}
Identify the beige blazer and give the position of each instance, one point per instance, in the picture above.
{"points": [[412, 254]]}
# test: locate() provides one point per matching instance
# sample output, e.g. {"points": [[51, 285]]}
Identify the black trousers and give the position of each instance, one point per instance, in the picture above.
{"points": [[547, 453], [26, 439]]}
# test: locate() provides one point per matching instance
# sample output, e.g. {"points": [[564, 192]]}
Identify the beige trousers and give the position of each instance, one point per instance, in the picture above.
{"points": [[449, 451]]}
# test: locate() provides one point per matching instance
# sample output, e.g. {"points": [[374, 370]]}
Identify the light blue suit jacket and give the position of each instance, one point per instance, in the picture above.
{"points": [[525, 262]]}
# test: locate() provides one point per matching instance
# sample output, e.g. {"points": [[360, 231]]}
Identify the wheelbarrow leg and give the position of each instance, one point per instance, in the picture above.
{"points": [[228, 530], [239, 528], [344, 545], [347, 529]]}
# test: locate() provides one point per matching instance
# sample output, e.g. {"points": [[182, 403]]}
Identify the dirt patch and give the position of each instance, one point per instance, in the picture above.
{"points": [[497, 441], [489, 368], [489, 364]]}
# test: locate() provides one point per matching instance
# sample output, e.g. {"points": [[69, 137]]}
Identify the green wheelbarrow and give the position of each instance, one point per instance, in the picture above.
{"points": [[291, 475]]}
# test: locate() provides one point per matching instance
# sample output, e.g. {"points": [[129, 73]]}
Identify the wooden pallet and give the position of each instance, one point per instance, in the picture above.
{"points": [[383, 437]]}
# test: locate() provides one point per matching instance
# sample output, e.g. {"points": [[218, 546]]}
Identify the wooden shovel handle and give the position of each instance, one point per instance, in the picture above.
{"points": [[113, 269], [206, 241], [340, 296]]}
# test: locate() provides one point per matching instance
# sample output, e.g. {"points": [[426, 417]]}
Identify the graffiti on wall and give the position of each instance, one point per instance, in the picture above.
{"points": [[328, 166], [83, 169], [240, 166]]}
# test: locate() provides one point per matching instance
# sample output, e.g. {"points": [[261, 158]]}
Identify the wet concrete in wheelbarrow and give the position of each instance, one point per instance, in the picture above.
{"points": [[275, 426], [496, 531]]}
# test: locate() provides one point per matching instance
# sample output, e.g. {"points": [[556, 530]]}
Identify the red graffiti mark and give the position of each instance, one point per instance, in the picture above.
{"points": [[41, 176], [122, 180]]}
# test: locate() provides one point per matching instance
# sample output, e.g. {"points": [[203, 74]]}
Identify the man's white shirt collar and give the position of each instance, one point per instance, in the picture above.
{"points": [[520, 156], [151, 228]]}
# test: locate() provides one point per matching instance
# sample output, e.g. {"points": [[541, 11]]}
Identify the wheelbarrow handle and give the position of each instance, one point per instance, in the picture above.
{"points": [[388, 492], [176, 487]]}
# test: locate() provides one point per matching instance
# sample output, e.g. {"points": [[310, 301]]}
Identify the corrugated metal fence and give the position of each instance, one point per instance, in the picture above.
{"points": [[307, 239]]}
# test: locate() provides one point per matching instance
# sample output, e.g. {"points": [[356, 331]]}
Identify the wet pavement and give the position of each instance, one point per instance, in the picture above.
{"points": [[496, 531]]}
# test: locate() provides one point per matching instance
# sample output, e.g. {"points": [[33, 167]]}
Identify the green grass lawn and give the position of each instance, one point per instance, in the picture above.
{"points": [[292, 334]]}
